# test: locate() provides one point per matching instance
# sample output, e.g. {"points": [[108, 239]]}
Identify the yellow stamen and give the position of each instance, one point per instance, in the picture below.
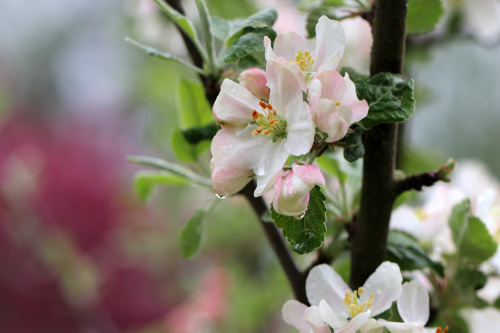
{"points": [[304, 60], [352, 303]]}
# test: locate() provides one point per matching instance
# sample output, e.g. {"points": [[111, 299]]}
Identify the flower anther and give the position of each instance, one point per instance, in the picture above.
{"points": [[269, 122], [305, 61], [441, 330], [353, 304]]}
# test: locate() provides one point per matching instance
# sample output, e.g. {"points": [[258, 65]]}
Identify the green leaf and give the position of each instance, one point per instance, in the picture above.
{"points": [[180, 20], [184, 24], [261, 20], [466, 284], [305, 234], [193, 234], [354, 75], [207, 34], [331, 165], [404, 250], [389, 97], [175, 169], [185, 151], [249, 44], [192, 106], [145, 182], [423, 15], [473, 241], [161, 55], [354, 146]]}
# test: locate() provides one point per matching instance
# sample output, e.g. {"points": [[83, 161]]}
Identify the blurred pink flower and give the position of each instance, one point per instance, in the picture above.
{"points": [[62, 203], [207, 306]]}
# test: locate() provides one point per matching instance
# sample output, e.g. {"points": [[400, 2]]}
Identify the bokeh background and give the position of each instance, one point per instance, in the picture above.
{"points": [[79, 252]]}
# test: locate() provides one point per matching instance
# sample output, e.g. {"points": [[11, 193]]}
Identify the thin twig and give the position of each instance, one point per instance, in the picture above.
{"points": [[279, 245]]}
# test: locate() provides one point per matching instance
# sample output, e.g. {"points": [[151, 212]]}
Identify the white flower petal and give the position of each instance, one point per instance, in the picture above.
{"points": [[234, 155], [396, 327], [286, 82], [272, 159], [234, 104], [329, 316], [359, 108], [331, 119], [293, 314], [413, 303], [333, 86], [286, 45], [330, 40], [356, 323], [323, 283], [313, 317], [385, 284], [300, 129]]}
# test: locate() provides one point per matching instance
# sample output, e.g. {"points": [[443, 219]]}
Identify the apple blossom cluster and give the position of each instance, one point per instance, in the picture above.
{"points": [[334, 305], [297, 105]]}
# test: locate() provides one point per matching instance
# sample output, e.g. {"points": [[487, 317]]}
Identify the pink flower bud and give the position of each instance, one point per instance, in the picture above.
{"points": [[291, 189], [254, 79]]}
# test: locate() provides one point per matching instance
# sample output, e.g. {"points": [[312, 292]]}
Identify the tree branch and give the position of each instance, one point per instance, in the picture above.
{"points": [[416, 182], [378, 195], [210, 83], [295, 277]]}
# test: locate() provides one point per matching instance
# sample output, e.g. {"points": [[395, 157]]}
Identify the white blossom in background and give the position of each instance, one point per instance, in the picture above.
{"points": [[482, 320], [429, 222], [483, 19]]}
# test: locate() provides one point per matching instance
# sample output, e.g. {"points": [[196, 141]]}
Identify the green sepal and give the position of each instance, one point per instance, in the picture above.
{"points": [[390, 99], [192, 236], [307, 233]]}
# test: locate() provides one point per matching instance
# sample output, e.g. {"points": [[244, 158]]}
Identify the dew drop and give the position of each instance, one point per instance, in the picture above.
{"points": [[300, 217], [220, 196]]}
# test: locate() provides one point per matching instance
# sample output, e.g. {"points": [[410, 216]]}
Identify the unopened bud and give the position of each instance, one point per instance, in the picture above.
{"points": [[254, 79], [446, 169]]}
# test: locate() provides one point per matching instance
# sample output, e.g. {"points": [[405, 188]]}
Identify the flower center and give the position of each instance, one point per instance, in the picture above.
{"points": [[269, 122], [305, 61], [440, 330], [421, 214], [351, 301]]}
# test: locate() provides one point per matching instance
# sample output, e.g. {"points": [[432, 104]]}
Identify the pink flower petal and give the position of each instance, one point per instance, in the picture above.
{"points": [[234, 105]]}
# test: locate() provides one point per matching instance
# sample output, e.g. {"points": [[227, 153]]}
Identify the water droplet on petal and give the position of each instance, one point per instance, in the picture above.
{"points": [[220, 196]]}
